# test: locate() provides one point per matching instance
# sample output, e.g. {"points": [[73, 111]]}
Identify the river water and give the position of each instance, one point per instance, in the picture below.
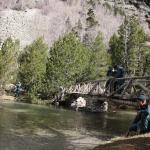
{"points": [[32, 127]]}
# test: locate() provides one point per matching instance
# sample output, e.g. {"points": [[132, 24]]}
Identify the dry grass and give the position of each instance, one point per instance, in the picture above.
{"points": [[140, 142]]}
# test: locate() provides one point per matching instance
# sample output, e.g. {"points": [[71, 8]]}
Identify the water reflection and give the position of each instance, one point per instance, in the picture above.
{"points": [[31, 127]]}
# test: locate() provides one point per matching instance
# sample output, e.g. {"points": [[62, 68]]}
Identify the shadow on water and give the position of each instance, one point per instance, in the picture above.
{"points": [[31, 127]]}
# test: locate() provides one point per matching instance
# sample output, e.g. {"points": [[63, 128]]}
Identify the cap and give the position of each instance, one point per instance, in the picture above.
{"points": [[142, 97]]}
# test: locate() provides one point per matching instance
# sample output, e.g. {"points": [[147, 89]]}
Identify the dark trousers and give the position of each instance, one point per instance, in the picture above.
{"points": [[141, 122]]}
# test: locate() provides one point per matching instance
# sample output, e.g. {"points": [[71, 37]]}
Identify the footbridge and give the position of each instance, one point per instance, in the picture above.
{"points": [[119, 90]]}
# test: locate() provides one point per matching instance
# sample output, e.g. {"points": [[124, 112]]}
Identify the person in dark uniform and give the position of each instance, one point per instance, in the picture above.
{"points": [[111, 73], [141, 122], [120, 73], [18, 89]]}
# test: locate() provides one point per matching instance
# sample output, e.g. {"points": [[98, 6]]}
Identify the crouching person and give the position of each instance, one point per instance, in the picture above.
{"points": [[141, 123]]}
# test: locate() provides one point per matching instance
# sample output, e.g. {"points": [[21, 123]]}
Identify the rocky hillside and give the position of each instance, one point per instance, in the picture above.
{"points": [[28, 19]]}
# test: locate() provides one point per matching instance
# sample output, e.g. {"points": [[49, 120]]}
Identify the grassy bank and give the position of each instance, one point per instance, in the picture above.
{"points": [[141, 142]]}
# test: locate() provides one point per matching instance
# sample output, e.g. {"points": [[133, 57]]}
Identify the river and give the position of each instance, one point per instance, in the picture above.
{"points": [[34, 127]]}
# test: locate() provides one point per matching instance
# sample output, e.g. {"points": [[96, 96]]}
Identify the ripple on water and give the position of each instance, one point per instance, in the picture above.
{"points": [[82, 139], [35, 132], [60, 129], [44, 133], [19, 110]]}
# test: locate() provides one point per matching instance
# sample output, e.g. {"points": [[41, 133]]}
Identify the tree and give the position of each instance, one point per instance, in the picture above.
{"points": [[8, 60], [125, 48], [33, 66], [100, 59], [115, 50], [144, 61], [67, 61]]}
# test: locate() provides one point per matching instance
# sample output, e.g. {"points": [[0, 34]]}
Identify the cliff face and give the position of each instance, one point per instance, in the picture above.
{"points": [[27, 20]]}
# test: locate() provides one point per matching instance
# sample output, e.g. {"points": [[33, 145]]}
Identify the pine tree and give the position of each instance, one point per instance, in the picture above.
{"points": [[144, 61], [8, 60], [100, 59], [33, 66], [125, 48], [67, 61], [115, 50]]}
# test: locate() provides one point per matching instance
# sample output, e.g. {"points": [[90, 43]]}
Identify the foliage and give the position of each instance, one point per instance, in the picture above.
{"points": [[116, 10], [33, 66], [91, 19], [91, 2], [126, 47], [67, 61], [100, 59], [115, 50], [8, 60], [144, 61]]}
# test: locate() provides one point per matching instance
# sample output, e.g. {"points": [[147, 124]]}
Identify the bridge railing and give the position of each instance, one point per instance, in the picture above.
{"points": [[100, 87], [91, 87]]}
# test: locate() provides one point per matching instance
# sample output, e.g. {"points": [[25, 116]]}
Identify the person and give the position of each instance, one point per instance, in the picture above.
{"points": [[141, 122], [59, 96], [111, 74], [115, 72], [144, 110], [17, 89], [120, 73]]}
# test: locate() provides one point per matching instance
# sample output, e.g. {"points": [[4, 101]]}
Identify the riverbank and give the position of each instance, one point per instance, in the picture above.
{"points": [[5, 97], [9, 98], [141, 142]]}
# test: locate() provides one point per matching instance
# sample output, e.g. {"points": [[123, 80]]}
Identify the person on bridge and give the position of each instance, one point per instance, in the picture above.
{"points": [[111, 74], [141, 123], [120, 73], [115, 72]]}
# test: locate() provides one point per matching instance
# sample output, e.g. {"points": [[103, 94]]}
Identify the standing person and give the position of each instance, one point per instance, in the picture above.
{"points": [[141, 122], [18, 88], [120, 74], [110, 82], [59, 96]]}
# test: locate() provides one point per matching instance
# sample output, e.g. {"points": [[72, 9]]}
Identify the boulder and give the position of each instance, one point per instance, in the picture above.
{"points": [[79, 103], [10, 87]]}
